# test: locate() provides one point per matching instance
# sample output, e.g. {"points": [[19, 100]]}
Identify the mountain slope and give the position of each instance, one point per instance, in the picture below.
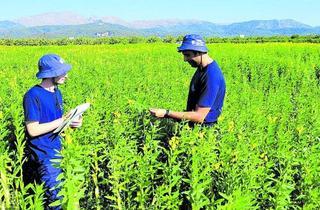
{"points": [[68, 24]]}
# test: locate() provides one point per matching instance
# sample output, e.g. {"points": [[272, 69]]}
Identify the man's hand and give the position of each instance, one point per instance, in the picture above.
{"points": [[64, 117], [76, 123], [196, 116], [160, 113]]}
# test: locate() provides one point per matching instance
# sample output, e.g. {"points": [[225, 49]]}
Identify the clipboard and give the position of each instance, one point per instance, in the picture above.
{"points": [[73, 115]]}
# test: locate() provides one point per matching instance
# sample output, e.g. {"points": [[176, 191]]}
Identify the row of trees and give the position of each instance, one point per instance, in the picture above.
{"points": [[154, 39]]}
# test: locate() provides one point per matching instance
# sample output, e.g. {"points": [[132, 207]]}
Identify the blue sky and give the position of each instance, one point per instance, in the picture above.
{"points": [[228, 11]]}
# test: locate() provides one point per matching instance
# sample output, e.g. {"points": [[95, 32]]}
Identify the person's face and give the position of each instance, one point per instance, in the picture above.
{"points": [[60, 79], [192, 58]]}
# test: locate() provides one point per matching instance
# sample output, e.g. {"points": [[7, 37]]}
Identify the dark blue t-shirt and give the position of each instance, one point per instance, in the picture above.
{"points": [[43, 106], [207, 89]]}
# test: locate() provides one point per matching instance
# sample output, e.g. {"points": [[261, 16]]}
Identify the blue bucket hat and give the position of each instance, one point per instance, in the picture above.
{"points": [[193, 42], [51, 65]]}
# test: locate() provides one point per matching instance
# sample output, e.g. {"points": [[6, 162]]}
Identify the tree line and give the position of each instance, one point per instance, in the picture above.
{"points": [[154, 39]]}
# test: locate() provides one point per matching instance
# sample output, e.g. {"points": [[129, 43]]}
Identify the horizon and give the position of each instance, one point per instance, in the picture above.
{"points": [[141, 10], [160, 19]]}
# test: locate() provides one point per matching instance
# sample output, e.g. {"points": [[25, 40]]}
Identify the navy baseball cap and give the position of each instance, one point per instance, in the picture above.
{"points": [[193, 42], [52, 65]]}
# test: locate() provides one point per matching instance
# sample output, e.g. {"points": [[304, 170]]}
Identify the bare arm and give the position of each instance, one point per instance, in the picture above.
{"points": [[197, 116], [35, 129]]}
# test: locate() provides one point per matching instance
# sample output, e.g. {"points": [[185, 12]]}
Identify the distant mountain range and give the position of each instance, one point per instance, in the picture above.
{"points": [[68, 24]]}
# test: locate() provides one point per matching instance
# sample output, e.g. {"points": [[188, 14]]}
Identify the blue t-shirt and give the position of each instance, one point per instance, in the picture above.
{"points": [[43, 106], [207, 89]]}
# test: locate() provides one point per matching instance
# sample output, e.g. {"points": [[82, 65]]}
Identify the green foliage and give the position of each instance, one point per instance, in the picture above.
{"points": [[169, 39], [263, 154], [153, 39]]}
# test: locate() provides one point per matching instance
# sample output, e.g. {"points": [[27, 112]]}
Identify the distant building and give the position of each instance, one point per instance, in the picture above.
{"points": [[103, 34], [71, 37], [241, 35]]}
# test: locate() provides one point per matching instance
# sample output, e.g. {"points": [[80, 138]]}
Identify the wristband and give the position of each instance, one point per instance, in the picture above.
{"points": [[167, 113]]}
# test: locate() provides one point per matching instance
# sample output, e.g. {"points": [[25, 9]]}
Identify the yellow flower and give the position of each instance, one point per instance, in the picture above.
{"points": [[264, 156], [130, 102], [231, 126], [201, 135], [272, 119], [174, 142], [117, 114], [217, 165], [234, 156], [300, 129], [68, 138]]}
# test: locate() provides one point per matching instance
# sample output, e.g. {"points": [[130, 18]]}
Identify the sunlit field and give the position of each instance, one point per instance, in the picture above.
{"points": [[263, 154]]}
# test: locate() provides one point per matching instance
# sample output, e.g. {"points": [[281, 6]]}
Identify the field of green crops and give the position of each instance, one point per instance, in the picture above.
{"points": [[263, 154]]}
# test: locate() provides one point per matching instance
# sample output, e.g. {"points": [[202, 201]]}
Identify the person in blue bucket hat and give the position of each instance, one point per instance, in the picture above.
{"points": [[43, 113], [207, 88]]}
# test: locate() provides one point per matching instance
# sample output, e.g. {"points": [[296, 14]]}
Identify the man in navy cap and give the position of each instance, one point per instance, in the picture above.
{"points": [[207, 87], [43, 113]]}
